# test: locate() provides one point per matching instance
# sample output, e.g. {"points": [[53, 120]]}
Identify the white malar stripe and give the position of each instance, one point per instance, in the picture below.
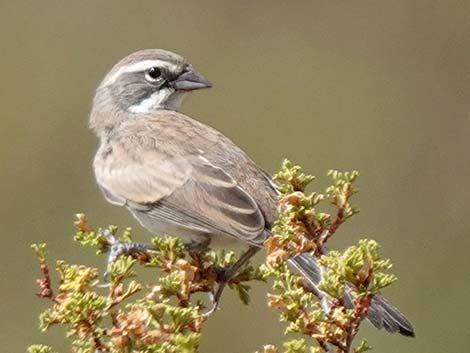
{"points": [[138, 66], [156, 101]]}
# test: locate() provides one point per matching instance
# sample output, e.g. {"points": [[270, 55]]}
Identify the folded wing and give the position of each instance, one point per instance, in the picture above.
{"points": [[187, 190]]}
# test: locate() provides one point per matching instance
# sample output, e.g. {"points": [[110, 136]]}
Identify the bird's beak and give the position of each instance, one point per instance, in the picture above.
{"points": [[190, 80]]}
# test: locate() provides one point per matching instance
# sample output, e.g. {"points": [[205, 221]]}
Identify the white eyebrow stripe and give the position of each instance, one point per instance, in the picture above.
{"points": [[138, 66]]}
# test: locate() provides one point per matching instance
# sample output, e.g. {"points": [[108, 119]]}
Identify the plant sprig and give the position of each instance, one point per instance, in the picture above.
{"points": [[355, 275], [165, 315]]}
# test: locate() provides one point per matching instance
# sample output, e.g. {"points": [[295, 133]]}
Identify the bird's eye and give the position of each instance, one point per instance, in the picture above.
{"points": [[153, 73]]}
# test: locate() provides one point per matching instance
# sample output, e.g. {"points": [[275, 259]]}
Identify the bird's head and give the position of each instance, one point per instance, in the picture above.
{"points": [[146, 81]]}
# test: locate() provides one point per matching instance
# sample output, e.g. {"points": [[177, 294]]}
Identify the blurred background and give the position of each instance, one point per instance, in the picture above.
{"points": [[377, 86]]}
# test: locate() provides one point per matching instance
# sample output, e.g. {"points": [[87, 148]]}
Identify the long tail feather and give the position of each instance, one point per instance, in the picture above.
{"points": [[382, 314]]}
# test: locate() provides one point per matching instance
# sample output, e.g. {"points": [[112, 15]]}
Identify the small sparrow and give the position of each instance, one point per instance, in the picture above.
{"points": [[178, 176]]}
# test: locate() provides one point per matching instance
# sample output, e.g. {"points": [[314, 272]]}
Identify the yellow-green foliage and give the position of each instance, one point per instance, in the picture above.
{"points": [[126, 315]]}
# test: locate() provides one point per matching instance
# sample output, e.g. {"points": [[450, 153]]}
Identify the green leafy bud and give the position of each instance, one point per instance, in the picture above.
{"points": [[39, 348]]}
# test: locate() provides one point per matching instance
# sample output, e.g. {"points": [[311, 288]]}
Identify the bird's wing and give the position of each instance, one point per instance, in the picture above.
{"points": [[187, 189], [142, 178]]}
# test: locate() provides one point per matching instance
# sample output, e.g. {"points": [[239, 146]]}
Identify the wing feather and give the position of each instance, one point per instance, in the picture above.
{"points": [[214, 198], [189, 191], [145, 178]]}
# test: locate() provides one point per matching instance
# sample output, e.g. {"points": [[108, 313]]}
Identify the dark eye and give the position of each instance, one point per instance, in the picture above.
{"points": [[153, 73]]}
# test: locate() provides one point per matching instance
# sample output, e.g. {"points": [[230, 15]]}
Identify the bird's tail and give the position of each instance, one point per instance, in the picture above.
{"points": [[381, 314]]}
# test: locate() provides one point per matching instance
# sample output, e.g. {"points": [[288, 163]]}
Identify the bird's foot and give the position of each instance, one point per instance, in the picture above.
{"points": [[224, 274], [117, 248]]}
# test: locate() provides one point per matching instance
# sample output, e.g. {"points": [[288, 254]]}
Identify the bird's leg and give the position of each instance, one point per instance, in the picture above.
{"points": [[118, 248], [198, 246], [225, 274]]}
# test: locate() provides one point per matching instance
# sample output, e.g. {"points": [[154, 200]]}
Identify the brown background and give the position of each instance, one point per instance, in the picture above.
{"points": [[378, 86]]}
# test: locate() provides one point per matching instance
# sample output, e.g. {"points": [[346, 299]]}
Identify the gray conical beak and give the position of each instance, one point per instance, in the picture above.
{"points": [[190, 80]]}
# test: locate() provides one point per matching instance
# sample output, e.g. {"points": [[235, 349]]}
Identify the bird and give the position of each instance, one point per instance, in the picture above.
{"points": [[179, 176]]}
